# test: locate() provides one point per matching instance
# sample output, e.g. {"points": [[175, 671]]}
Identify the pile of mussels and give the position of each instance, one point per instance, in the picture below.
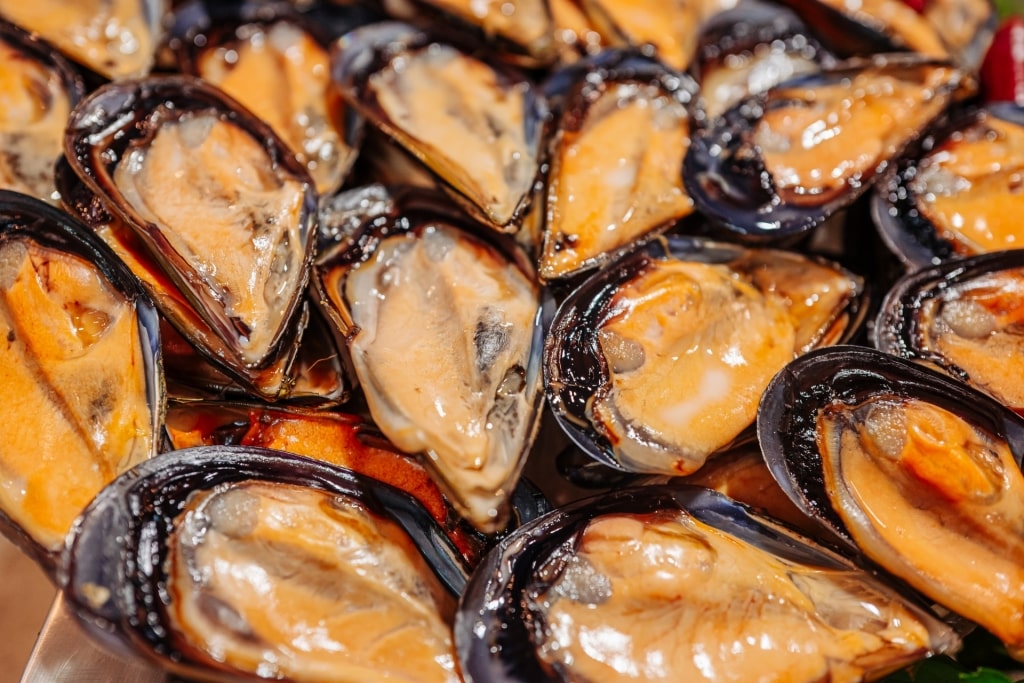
{"points": [[294, 293]]}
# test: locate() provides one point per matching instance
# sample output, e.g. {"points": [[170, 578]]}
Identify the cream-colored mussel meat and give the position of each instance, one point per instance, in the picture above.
{"points": [[616, 177], [824, 139], [290, 582], [34, 111], [283, 75], [663, 596], [445, 334], [933, 499], [452, 112], [691, 346], [211, 190], [72, 363], [971, 187], [115, 38]]}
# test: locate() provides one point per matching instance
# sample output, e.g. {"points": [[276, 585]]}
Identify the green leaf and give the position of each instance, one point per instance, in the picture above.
{"points": [[1008, 8], [985, 676]]}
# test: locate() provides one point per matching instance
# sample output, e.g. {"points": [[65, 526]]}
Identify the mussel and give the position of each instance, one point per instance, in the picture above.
{"points": [[229, 562], [615, 158], [39, 88], [964, 317], [480, 133], [81, 363], [443, 321], [212, 206], [780, 163], [917, 471], [680, 583], [659, 360], [962, 194], [117, 40]]}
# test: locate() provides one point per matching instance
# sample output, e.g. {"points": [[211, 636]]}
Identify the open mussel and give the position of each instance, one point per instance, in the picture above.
{"points": [[39, 89], [477, 124], [659, 360], [273, 61], [615, 158], [443, 322], [81, 365], [208, 200], [962, 194], [218, 561], [963, 316], [778, 164], [680, 583], [917, 471], [117, 40]]}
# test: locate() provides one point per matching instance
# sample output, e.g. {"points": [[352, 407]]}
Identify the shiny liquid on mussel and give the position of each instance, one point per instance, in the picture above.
{"points": [[816, 141], [977, 326], [445, 334], [285, 581], [971, 186], [74, 368], [282, 74], [615, 175], [691, 346], [211, 188], [933, 499], [664, 596], [115, 38], [36, 104]]}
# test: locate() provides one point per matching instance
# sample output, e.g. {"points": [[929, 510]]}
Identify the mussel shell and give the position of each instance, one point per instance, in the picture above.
{"points": [[907, 232], [725, 172], [789, 407], [64, 76], [366, 51], [113, 571], [900, 328], [103, 129], [574, 365], [27, 218], [494, 629]]}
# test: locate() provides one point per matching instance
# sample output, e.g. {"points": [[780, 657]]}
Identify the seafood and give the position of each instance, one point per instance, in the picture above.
{"points": [[964, 317], [481, 133], [115, 38], [659, 360], [778, 164], [962, 196], [295, 542], [615, 160], [443, 324], [39, 88], [236, 246], [82, 358], [911, 468], [680, 583], [255, 60]]}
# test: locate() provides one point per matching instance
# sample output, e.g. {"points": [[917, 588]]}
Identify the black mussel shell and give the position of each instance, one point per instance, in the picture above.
{"points": [[50, 82], [767, 41], [725, 170], [850, 374], [496, 627], [576, 369], [119, 118], [975, 304], [113, 40], [409, 233], [114, 570], [24, 218], [369, 58], [896, 205]]}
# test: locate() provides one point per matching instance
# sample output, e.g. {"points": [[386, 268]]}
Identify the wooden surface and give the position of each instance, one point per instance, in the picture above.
{"points": [[25, 597]]}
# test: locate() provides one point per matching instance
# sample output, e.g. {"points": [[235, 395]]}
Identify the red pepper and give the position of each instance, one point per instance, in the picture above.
{"points": [[1002, 72], [916, 5]]}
